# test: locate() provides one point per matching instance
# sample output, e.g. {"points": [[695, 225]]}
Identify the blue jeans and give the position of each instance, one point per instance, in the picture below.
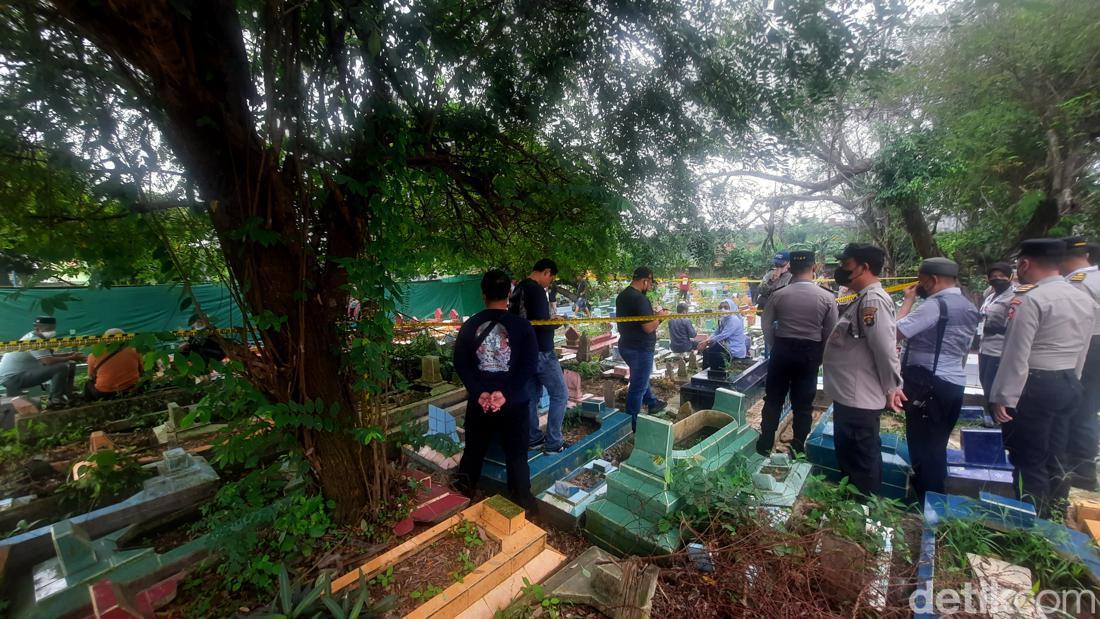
{"points": [[638, 392], [548, 375]]}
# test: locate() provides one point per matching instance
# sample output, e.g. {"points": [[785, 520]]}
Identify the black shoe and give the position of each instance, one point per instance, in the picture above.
{"points": [[564, 445], [536, 444], [657, 406], [764, 445]]}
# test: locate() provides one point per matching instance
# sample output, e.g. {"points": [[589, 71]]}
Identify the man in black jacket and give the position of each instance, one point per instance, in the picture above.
{"points": [[495, 356]]}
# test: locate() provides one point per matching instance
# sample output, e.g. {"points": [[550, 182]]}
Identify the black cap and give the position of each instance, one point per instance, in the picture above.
{"points": [[939, 266], [1003, 267], [802, 256], [642, 273], [1076, 245], [45, 320], [1094, 252], [1042, 248], [862, 252]]}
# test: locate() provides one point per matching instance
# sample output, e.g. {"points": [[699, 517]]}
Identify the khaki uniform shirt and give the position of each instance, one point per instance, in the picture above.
{"points": [[1049, 327], [802, 311], [861, 366], [995, 314], [1088, 280]]}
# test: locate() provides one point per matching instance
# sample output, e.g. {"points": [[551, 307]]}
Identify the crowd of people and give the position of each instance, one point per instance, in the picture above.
{"points": [[1039, 362]]}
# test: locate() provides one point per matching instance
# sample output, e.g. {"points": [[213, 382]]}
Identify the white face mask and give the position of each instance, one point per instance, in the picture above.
{"points": [[47, 334]]}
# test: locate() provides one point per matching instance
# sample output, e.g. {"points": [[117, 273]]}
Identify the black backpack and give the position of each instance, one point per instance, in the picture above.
{"points": [[517, 301]]}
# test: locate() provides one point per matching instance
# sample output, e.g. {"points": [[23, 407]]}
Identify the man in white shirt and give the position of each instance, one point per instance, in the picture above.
{"points": [[26, 368]]}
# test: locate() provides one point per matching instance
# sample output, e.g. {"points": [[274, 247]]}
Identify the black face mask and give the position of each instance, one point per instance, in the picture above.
{"points": [[842, 276], [999, 285], [921, 292]]}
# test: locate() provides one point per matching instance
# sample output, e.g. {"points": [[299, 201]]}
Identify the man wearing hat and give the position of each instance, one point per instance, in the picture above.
{"points": [[1038, 390], [775, 279], [1084, 431], [860, 367], [994, 312], [937, 335], [637, 342], [26, 368], [797, 321]]}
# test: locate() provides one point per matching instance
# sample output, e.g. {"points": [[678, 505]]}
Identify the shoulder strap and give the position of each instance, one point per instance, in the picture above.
{"points": [[492, 324], [941, 328], [95, 370]]}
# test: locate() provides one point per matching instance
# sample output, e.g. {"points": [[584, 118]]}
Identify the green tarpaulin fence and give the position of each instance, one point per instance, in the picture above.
{"points": [[139, 309]]}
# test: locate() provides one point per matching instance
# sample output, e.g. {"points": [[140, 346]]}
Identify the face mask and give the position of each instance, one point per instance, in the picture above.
{"points": [[48, 334], [922, 292], [842, 276], [999, 285]]}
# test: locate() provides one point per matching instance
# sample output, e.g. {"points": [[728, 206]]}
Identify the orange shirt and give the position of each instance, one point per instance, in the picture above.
{"points": [[118, 373]]}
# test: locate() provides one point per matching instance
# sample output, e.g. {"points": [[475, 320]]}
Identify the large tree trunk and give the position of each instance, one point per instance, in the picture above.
{"points": [[917, 227], [199, 88]]}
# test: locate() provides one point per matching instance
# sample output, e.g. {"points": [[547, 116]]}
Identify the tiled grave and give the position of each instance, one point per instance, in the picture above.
{"points": [[63, 585], [565, 502], [595, 579], [896, 471], [440, 423], [700, 389], [641, 493], [779, 480], [980, 466], [173, 431], [522, 545], [998, 513]]}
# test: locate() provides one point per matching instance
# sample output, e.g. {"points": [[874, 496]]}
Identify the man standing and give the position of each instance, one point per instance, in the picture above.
{"points": [[994, 313], [775, 279], [530, 300], [861, 372], [25, 368], [1037, 390], [685, 285], [1084, 433], [797, 321], [938, 335], [495, 356], [637, 341]]}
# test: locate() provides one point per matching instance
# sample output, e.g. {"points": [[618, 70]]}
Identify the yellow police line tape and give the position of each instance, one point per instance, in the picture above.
{"points": [[85, 341]]}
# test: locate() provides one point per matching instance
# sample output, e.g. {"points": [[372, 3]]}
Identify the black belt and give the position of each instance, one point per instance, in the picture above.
{"points": [[1051, 372], [799, 342]]}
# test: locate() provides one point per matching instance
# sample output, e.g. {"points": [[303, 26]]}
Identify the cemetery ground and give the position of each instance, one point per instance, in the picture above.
{"points": [[231, 536]]}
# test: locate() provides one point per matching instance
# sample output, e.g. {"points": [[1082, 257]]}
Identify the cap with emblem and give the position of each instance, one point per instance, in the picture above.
{"points": [[802, 256], [1076, 245], [45, 320], [1042, 248], [1001, 267], [939, 266], [781, 258]]}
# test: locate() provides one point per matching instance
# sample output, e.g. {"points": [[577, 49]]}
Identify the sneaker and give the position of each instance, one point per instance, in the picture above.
{"points": [[536, 444], [560, 448], [657, 406]]}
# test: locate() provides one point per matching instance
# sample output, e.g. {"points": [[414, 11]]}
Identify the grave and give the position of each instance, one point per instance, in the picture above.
{"points": [[175, 430], [998, 513], [595, 579], [779, 480], [488, 588], [182, 481], [96, 415], [440, 423], [896, 471], [640, 494], [65, 584], [432, 503], [981, 464], [563, 504], [749, 381]]}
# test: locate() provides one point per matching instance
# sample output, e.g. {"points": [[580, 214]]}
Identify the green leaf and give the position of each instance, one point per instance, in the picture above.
{"points": [[284, 589]]}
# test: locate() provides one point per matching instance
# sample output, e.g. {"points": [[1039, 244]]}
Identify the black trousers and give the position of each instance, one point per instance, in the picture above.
{"points": [[858, 446], [927, 435], [1084, 434], [987, 372], [1037, 436], [715, 357], [792, 370], [510, 426]]}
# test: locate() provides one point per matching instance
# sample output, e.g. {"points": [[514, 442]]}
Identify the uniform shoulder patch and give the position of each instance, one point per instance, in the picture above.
{"points": [[1025, 288], [1077, 277], [867, 313]]}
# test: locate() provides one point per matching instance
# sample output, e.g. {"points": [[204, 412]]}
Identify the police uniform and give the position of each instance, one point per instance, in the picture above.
{"points": [[797, 320], [994, 313], [1049, 326], [860, 370], [1085, 428], [938, 336]]}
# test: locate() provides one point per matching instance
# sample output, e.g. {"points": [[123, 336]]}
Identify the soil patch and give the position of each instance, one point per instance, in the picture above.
{"points": [[578, 429], [695, 438], [620, 452], [587, 479], [779, 473], [432, 569]]}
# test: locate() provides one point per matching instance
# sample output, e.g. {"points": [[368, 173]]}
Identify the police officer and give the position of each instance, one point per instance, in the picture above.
{"points": [[994, 313], [797, 320], [1084, 431], [775, 279], [860, 367], [938, 334], [1037, 389]]}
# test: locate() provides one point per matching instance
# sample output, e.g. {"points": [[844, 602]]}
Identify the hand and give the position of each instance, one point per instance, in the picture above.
{"points": [[910, 293], [496, 400], [76, 356], [485, 400], [895, 400], [1000, 414]]}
